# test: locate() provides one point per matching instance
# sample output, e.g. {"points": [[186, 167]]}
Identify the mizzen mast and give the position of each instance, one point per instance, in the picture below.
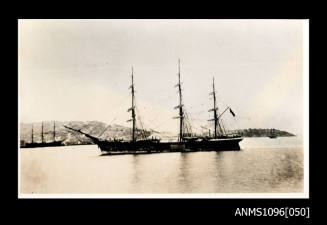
{"points": [[215, 108]]}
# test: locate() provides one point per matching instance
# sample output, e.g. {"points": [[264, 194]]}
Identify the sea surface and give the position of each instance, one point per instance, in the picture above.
{"points": [[263, 165]]}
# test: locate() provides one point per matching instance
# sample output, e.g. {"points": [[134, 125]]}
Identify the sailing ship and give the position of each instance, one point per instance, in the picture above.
{"points": [[43, 143], [272, 134], [187, 141]]}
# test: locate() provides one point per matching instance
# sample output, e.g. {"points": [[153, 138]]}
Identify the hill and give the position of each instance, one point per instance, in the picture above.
{"points": [[258, 132], [94, 128]]}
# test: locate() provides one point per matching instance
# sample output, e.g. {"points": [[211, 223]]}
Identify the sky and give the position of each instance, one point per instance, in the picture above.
{"points": [[80, 70]]}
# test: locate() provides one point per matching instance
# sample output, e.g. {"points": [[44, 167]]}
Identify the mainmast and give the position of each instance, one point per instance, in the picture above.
{"points": [[133, 108], [42, 138], [180, 106]]}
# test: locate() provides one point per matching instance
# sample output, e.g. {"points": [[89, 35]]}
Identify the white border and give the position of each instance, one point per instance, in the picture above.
{"points": [[306, 106], [305, 193], [18, 125], [213, 195]]}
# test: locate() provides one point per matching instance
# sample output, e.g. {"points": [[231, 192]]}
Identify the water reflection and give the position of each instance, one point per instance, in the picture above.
{"points": [[221, 174], [183, 173], [135, 172], [80, 170]]}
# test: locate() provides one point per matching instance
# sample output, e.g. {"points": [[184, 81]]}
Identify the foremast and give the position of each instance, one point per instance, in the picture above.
{"points": [[180, 106], [132, 109]]}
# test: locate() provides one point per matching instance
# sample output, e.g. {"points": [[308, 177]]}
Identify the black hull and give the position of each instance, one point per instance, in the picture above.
{"points": [[148, 146], [41, 145]]}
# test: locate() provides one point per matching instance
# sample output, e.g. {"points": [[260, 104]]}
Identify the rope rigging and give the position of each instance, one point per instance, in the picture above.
{"points": [[189, 122]]}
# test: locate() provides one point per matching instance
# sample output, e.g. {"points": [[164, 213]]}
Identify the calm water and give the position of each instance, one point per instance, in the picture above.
{"points": [[263, 165]]}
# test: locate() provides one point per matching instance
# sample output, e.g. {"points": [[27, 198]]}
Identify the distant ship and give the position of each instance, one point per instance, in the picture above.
{"points": [[272, 134], [33, 144], [187, 141]]}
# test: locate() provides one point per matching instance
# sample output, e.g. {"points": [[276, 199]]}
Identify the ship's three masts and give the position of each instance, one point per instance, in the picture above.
{"points": [[42, 133], [186, 136]]}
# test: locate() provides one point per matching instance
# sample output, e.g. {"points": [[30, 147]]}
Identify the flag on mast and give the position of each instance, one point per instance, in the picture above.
{"points": [[231, 111]]}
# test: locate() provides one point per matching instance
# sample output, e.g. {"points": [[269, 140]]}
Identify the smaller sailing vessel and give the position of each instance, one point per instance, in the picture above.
{"points": [[43, 143], [272, 134]]}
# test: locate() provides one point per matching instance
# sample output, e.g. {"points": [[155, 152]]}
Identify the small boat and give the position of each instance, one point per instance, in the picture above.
{"points": [[272, 134]]}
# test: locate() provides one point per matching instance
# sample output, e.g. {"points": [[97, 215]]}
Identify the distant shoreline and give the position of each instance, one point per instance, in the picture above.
{"points": [[106, 132]]}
